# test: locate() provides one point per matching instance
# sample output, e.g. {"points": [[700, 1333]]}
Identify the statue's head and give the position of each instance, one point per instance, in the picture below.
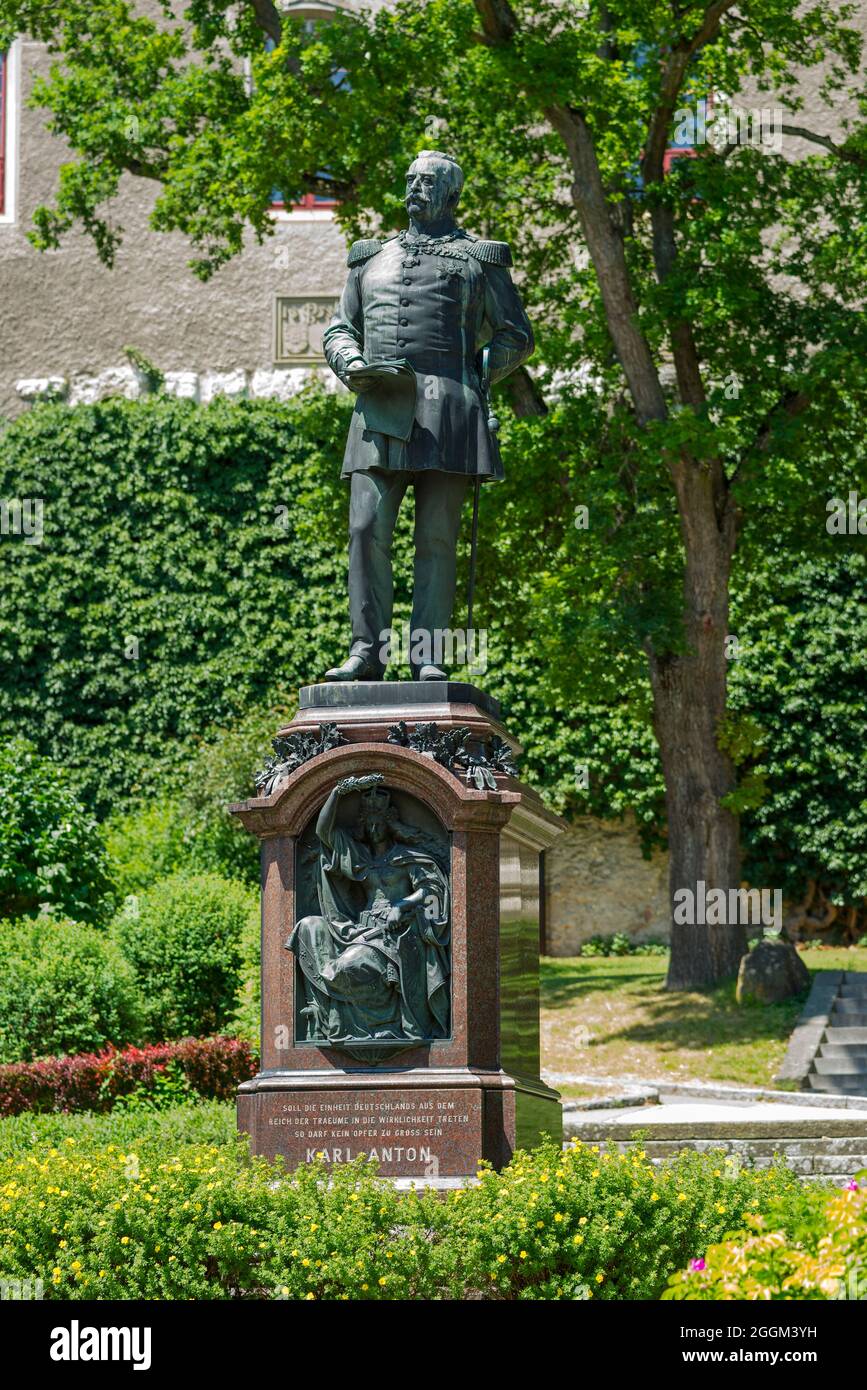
{"points": [[377, 814], [433, 186]]}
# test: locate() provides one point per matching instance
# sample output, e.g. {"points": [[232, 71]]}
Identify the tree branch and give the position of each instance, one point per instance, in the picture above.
{"points": [[793, 404], [851, 156], [268, 19], [679, 59], [524, 395], [684, 351], [609, 261], [499, 21]]}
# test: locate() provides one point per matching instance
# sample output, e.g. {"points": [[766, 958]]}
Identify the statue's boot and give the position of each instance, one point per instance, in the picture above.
{"points": [[354, 668], [428, 673]]}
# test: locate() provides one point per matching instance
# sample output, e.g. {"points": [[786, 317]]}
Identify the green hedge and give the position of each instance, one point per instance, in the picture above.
{"points": [[802, 681], [145, 1220], [215, 536]]}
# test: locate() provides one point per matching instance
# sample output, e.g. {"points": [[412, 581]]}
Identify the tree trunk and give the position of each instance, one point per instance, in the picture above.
{"points": [[689, 698]]}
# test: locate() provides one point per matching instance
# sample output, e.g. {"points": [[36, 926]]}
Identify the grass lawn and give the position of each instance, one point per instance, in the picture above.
{"points": [[611, 1017]]}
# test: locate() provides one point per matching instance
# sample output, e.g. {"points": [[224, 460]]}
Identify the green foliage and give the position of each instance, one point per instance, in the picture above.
{"points": [[64, 988], [193, 831], [802, 681], [222, 771], [51, 853], [144, 844], [182, 938], [621, 945], [156, 1219], [246, 1021], [581, 1224], [170, 1088]]}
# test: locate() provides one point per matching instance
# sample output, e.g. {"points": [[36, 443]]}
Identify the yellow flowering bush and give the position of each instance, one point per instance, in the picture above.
{"points": [[153, 1217], [579, 1223], [820, 1254], [206, 1223]]}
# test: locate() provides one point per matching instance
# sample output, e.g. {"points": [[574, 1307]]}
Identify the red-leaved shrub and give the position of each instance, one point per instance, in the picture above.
{"points": [[94, 1080]]}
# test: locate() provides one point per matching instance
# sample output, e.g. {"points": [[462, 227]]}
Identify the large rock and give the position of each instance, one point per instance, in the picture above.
{"points": [[771, 971]]}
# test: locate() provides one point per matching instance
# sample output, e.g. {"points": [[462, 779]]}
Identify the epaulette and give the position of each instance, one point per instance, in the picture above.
{"points": [[491, 252], [363, 250]]}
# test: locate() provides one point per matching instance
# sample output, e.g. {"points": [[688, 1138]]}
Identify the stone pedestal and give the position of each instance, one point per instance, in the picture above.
{"points": [[453, 1075]]}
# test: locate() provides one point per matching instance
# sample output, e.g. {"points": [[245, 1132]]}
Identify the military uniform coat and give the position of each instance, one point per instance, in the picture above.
{"points": [[435, 302]]}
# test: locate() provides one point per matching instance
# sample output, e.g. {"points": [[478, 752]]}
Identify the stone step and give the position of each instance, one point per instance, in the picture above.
{"points": [[830, 1150], [850, 1152], [853, 991], [846, 1017], [838, 1084], [850, 1051], [837, 1065], [846, 1035]]}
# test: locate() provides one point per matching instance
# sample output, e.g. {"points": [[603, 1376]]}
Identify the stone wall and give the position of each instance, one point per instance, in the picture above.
{"points": [[597, 883]]}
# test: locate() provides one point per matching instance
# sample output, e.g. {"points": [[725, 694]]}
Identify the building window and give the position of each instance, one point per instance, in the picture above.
{"points": [[8, 131], [307, 203]]}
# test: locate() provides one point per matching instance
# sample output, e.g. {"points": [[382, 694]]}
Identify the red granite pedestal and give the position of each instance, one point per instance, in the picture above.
{"points": [[433, 1110]]}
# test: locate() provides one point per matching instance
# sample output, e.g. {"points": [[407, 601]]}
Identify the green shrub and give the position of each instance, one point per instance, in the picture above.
{"points": [[580, 1223], [192, 831], [144, 844], [170, 1088], [183, 940], [621, 945], [64, 988], [51, 851]]}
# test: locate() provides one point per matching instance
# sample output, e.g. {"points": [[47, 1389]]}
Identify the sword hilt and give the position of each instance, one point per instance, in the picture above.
{"points": [[485, 375]]}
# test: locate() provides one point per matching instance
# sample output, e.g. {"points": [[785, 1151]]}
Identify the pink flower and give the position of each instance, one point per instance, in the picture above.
{"points": [[852, 1186], [696, 1265]]}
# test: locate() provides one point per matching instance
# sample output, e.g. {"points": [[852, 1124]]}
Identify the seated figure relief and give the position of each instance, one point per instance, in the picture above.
{"points": [[374, 962]]}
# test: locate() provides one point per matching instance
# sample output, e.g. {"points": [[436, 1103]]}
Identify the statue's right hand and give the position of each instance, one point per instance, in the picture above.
{"points": [[352, 377], [359, 784]]}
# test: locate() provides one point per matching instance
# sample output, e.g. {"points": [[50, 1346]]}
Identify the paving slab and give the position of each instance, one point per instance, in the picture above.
{"points": [[691, 1120]]}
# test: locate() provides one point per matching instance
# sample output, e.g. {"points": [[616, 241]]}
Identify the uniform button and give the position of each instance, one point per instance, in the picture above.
{"points": [[406, 280], [404, 323], [401, 342], [404, 302]]}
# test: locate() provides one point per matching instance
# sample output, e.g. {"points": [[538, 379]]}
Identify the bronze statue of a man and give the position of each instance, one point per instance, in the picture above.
{"points": [[417, 310]]}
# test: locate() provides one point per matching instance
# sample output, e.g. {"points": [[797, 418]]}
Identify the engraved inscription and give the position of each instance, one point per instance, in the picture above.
{"points": [[391, 1130]]}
